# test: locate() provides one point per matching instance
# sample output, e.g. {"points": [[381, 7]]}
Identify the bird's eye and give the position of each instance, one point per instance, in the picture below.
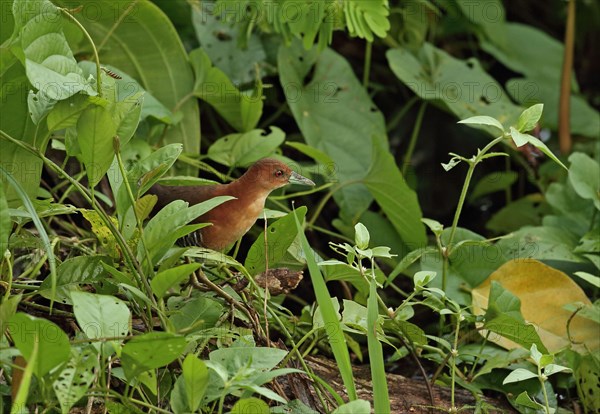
{"points": [[279, 173]]}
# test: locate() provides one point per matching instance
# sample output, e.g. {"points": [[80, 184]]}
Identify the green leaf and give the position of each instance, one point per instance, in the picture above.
{"points": [[280, 236], [8, 308], [166, 279], [354, 407], [221, 40], [195, 374], [537, 82], [493, 182], [31, 333], [47, 57], [483, 120], [316, 86], [197, 314], [140, 353], [161, 232], [101, 316], [519, 374], [330, 317], [398, 201], [584, 176], [365, 18], [535, 354], [422, 278], [463, 86], [361, 236], [522, 139], [236, 358], [71, 274], [529, 118], [250, 405], [246, 148], [525, 400], [140, 41], [95, 132], [75, 377], [242, 111], [66, 112]]}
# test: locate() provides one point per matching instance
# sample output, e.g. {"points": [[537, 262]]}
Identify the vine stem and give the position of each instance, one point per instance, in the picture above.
{"points": [[89, 38]]}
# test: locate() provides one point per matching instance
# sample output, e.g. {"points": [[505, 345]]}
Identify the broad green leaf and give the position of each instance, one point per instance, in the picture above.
{"points": [[335, 115], [246, 148], [552, 369], [169, 278], [15, 121], [543, 293], [8, 308], [71, 274], [280, 235], [47, 57], [95, 132], [584, 176], [51, 342], [502, 302], [398, 201], [241, 110], [493, 182], [66, 112], [161, 232], [591, 279], [542, 243], [483, 120], [140, 40], [220, 40], [127, 88], [195, 374], [525, 400], [519, 374], [250, 405], [463, 86], [142, 175], [101, 316], [140, 353], [75, 377], [354, 407], [255, 358], [196, 314], [529, 118], [526, 211], [537, 82]]}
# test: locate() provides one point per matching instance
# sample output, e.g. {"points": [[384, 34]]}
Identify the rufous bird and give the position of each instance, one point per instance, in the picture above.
{"points": [[232, 219]]}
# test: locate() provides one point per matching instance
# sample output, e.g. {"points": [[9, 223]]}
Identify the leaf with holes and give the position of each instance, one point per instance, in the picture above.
{"points": [[75, 377]]}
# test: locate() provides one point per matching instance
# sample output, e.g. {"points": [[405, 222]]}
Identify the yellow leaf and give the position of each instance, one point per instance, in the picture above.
{"points": [[543, 292]]}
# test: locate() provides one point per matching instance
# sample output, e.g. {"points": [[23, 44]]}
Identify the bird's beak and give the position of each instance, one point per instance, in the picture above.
{"points": [[296, 178]]}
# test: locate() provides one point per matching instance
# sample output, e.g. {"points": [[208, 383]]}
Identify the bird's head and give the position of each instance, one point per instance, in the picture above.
{"points": [[271, 174]]}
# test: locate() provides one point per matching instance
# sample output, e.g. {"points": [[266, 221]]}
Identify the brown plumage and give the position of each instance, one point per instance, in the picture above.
{"points": [[232, 219]]}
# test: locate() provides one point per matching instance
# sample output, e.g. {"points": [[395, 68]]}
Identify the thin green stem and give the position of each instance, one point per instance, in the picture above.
{"points": [[89, 38], [367, 67], [542, 381], [398, 116], [463, 195], [413, 138], [325, 199]]}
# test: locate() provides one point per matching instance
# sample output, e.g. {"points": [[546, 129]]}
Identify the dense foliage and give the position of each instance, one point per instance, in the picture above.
{"points": [[453, 235]]}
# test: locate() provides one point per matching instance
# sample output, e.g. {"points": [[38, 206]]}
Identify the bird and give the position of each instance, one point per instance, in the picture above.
{"points": [[232, 219]]}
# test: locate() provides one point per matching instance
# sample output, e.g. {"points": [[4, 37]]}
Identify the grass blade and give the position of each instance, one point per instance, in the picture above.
{"points": [[333, 325], [381, 400]]}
